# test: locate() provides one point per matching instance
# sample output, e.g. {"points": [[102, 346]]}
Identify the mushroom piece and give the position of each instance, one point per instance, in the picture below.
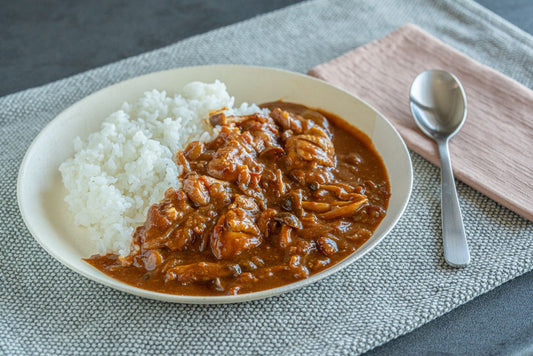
{"points": [[285, 236], [317, 207], [264, 221], [292, 201], [289, 220], [327, 245], [344, 211], [342, 191]]}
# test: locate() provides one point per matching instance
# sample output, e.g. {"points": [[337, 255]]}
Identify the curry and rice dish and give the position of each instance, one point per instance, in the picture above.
{"points": [[273, 197]]}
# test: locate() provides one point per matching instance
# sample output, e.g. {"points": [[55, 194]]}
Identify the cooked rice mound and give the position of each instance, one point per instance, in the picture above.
{"points": [[119, 171]]}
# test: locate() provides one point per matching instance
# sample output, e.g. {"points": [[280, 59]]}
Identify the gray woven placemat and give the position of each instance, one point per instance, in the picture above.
{"points": [[47, 309]]}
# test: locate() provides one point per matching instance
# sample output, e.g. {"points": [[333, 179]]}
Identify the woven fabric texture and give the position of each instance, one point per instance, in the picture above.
{"points": [[402, 284]]}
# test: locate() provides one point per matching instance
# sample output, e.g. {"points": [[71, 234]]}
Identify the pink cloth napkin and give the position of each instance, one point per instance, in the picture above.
{"points": [[492, 153]]}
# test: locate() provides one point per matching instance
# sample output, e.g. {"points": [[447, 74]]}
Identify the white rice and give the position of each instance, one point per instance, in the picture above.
{"points": [[119, 171]]}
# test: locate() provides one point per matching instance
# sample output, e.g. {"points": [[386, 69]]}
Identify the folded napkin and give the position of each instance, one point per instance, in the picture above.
{"points": [[492, 153]]}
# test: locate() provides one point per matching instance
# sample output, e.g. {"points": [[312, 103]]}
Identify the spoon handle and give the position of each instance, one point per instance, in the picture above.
{"points": [[453, 232]]}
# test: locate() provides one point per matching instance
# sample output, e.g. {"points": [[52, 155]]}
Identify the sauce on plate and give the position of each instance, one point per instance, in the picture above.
{"points": [[271, 200]]}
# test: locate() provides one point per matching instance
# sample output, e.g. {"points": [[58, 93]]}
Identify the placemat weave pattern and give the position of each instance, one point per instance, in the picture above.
{"points": [[47, 309]]}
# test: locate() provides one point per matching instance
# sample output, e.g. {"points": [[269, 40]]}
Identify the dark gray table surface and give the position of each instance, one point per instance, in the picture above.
{"points": [[40, 42]]}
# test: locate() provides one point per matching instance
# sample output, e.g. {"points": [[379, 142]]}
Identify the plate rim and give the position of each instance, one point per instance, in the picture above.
{"points": [[188, 299]]}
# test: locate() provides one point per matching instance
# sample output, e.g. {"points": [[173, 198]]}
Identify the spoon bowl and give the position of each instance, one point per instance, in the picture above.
{"points": [[438, 104]]}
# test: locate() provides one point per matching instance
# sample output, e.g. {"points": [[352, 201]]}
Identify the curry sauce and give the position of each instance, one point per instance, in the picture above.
{"points": [[271, 200]]}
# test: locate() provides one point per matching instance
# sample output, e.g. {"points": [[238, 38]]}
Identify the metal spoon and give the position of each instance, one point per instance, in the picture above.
{"points": [[438, 104]]}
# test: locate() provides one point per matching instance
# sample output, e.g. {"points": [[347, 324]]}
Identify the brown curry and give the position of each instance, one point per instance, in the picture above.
{"points": [[271, 200]]}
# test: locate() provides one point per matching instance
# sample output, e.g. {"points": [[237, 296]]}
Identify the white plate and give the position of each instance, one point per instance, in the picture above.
{"points": [[40, 191]]}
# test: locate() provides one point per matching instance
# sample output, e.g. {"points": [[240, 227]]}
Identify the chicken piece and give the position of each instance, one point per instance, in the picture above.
{"points": [[183, 162], [171, 213], [196, 188], [245, 176], [248, 183], [200, 189], [178, 238], [158, 219], [234, 233], [318, 119], [194, 150], [265, 139], [226, 160], [260, 122], [245, 203], [288, 121], [314, 147], [220, 119], [317, 131], [201, 272], [274, 183], [220, 193], [263, 132], [303, 149], [155, 240], [154, 233], [272, 153], [180, 235], [234, 153], [173, 223]]}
